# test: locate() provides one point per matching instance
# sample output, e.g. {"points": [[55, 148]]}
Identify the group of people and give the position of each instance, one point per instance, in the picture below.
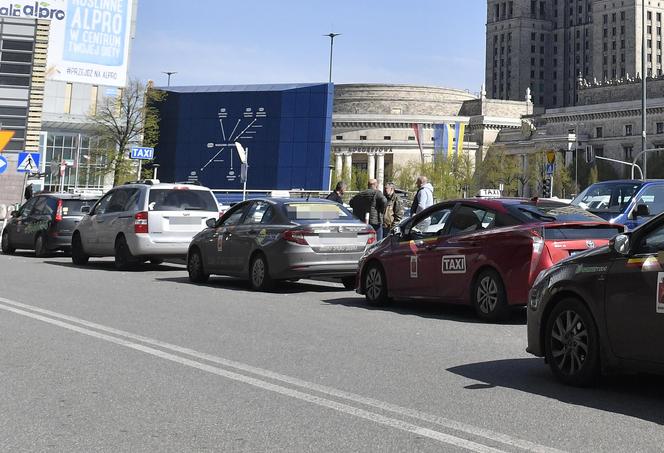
{"points": [[384, 210]]}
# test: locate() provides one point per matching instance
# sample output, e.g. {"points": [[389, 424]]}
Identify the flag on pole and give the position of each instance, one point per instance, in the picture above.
{"points": [[447, 141], [437, 140], [418, 136], [459, 131]]}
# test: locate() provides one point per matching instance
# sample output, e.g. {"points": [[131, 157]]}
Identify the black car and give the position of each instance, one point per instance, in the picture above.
{"points": [[602, 310], [45, 223]]}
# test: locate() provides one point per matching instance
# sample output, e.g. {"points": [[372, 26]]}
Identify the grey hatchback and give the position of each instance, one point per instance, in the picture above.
{"points": [[265, 240]]}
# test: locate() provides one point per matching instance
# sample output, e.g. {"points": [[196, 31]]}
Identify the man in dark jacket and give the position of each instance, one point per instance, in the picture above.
{"points": [[369, 206], [394, 209], [338, 193]]}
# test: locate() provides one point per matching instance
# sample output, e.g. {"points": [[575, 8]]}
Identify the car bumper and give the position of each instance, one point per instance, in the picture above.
{"points": [[144, 245], [294, 261], [59, 241]]}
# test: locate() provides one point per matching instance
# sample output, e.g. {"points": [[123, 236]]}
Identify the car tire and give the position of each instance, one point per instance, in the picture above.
{"points": [[78, 256], [349, 282], [156, 261], [571, 344], [375, 285], [195, 267], [259, 274], [488, 296], [124, 260], [41, 248], [7, 248]]}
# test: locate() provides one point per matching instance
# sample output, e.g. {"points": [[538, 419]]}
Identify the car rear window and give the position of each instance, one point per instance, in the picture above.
{"points": [[316, 211], [552, 212], [73, 207], [575, 233], [181, 200]]}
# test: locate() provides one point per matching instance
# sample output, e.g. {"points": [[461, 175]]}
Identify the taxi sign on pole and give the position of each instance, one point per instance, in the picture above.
{"points": [[144, 153], [28, 163]]}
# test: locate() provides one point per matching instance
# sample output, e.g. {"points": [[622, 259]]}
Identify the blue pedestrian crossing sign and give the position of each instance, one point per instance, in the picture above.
{"points": [[28, 163], [550, 168], [3, 165], [142, 153]]}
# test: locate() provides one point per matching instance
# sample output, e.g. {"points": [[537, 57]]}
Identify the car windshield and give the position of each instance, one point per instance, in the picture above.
{"points": [[552, 212], [73, 207], [607, 198], [181, 200], [316, 211]]}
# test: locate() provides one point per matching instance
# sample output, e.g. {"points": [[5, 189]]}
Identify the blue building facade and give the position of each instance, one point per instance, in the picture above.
{"points": [[286, 130]]}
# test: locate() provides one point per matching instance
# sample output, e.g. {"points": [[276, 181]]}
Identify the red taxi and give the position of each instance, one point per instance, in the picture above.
{"points": [[483, 252]]}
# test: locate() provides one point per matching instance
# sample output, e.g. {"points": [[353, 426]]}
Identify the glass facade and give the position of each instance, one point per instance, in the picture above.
{"points": [[85, 164]]}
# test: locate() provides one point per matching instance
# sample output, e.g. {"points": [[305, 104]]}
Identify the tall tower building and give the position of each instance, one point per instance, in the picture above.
{"points": [[546, 45]]}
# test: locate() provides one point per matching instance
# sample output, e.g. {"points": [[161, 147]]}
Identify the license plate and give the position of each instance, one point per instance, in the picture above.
{"points": [[184, 221]]}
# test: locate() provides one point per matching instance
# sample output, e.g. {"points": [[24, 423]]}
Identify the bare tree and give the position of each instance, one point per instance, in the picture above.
{"points": [[131, 118]]}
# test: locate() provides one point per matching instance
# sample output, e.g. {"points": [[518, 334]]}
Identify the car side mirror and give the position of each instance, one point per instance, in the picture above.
{"points": [[15, 213], [396, 231], [211, 223], [642, 210], [85, 209], [620, 244]]}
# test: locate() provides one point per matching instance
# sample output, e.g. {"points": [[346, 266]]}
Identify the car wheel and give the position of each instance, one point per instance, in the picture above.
{"points": [[41, 250], [349, 282], [195, 267], [375, 285], [124, 260], [259, 274], [78, 255], [571, 344], [489, 297], [7, 248]]}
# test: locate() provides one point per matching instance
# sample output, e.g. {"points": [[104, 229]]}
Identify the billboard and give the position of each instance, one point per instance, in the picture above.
{"points": [[91, 44]]}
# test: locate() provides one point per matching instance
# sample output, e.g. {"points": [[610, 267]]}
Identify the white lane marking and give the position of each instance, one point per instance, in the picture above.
{"points": [[442, 421], [265, 385]]}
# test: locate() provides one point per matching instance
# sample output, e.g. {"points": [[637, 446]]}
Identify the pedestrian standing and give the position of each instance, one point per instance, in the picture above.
{"points": [[369, 206], [423, 197], [394, 208], [337, 194]]}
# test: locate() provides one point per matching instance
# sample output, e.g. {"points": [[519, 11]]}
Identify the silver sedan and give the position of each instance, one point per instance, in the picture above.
{"points": [[270, 239]]}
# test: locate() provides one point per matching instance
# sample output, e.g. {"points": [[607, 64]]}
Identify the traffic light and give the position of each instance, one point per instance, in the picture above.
{"points": [[546, 188]]}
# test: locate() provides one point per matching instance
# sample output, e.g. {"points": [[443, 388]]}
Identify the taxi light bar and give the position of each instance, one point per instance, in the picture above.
{"points": [[141, 222]]}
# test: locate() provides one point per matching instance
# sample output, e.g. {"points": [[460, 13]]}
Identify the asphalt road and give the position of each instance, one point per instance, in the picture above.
{"points": [[92, 359]]}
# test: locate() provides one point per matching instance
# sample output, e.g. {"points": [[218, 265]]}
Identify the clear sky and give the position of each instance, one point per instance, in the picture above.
{"points": [[437, 42]]}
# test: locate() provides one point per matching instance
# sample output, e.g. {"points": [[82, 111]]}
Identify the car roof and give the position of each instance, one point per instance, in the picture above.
{"points": [[68, 196], [275, 201], [164, 185]]}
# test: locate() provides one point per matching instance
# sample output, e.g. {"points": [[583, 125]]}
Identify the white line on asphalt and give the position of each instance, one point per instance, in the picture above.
{"points": [[340, 407], [445, 422]]}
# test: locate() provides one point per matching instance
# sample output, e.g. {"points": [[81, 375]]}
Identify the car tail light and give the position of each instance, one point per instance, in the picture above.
{"points": [[296, 236], [141, 222], [372, 235], [58, 212], [538, 248]]}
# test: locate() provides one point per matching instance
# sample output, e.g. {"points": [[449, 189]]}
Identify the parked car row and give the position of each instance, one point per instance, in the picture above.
{"points": [[588, 285]]}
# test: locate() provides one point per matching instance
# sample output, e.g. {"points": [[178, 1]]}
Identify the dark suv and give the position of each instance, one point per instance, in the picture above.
{"points": [[45, 223]]}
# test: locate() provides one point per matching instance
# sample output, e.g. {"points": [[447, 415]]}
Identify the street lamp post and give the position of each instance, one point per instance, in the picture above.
{"points": [[644, 76], [169, 74], [576, 155], [331, 36]]}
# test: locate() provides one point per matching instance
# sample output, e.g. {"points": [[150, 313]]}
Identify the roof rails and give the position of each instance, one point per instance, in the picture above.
{"points": [[149, 182], [194, 183]]}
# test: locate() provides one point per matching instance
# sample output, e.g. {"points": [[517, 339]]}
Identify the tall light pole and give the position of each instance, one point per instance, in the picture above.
{"points": [[169, 74], [576, 155], [331, 36], [644, 76]]}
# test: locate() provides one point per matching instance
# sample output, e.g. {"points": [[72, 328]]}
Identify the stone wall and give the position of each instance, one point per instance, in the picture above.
{"points": [[619, 91], [381, 99]]}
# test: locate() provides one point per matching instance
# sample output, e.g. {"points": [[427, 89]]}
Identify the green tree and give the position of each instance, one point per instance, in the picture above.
{"points": [[128, 119], [359, 180], [498, 168]]}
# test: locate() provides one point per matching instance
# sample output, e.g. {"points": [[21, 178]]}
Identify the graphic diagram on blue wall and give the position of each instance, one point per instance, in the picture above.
{"points": [[244, 130], [285, 130]]}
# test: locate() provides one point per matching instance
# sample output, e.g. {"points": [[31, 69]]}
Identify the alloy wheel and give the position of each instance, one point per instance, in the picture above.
{"points": [[374, 284], [569, 342], [258, 272], [487, 294]]}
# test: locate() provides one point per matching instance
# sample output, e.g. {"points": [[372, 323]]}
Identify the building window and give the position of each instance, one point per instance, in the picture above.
{"points": [[387, 137], [339, 137], [660, 128], [649, 15], [606, 19], [628, 129], [363, 137], [533, 36], [622, 15], [599, 132], [627, 149], [411, 137]]}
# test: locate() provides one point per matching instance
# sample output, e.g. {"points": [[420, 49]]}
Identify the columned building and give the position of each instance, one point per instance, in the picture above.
{"points": [[372, 124]]}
